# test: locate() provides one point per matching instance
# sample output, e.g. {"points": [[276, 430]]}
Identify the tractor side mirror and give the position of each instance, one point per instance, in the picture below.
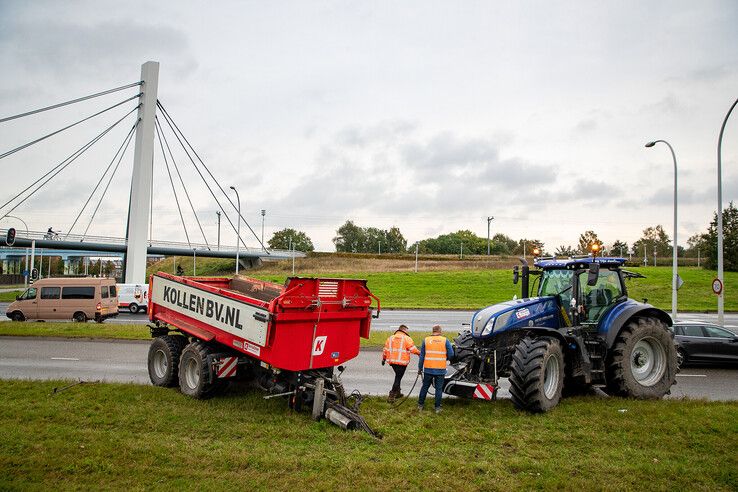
{"points": [[516, 275], [593, 273]]}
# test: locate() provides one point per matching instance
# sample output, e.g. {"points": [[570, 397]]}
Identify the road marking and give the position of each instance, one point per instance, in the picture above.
{"points": [[691, 375], [63, 358]]}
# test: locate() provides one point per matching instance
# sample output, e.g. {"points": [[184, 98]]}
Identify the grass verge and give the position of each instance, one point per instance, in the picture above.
{"points": [[114, 436]]}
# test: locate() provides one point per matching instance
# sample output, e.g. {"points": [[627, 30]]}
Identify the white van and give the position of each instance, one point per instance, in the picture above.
{"points": [[133, 297]]}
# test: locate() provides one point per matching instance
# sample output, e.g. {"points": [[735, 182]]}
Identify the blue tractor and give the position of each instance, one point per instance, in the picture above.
{"points": [[580, 331]]}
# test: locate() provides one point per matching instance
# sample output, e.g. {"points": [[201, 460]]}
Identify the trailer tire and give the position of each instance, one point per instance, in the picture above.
{"points": [[643, 360], [537, 374], [163, 360], [195, 372]]}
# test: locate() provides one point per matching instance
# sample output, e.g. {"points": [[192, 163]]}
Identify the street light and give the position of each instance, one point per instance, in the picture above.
{"points": [[489, 220], [238, 228], [263, 213], [721, 296], [674, 266]]}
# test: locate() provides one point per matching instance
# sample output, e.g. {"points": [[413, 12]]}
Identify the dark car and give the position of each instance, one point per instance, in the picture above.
{"points": [[702, 343]]}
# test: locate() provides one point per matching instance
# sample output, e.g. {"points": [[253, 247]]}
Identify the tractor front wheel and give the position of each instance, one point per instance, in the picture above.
{"points": [[643, 363], [537, 374]]}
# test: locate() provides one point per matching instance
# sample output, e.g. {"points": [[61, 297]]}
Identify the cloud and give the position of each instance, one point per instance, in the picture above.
{"points": [[59, 48]]}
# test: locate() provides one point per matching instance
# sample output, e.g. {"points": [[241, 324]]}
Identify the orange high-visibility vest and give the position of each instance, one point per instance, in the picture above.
{"points": [[398, 347], [435, 352]]}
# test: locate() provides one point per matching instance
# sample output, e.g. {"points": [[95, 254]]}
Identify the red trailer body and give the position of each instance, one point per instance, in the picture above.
{"points": [[309, 323]]}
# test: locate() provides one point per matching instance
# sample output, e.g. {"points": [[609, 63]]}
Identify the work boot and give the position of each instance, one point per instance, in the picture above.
{"points": [[392, 396], [420, 408], [438, 410]]}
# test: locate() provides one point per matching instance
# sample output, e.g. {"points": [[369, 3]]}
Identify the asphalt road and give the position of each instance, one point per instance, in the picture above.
{"points": [[125, 361], [390, 319]]}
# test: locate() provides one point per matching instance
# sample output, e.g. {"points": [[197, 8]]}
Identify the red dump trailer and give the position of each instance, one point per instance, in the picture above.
{"points": [[287, 339]]}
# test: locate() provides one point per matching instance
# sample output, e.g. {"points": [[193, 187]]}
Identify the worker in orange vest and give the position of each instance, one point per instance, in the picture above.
{"points": [[434, 352], [397, 350]]}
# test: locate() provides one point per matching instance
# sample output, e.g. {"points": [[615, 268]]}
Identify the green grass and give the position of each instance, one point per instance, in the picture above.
{"points": [[128, 437], [10, 296], [472, 289]]}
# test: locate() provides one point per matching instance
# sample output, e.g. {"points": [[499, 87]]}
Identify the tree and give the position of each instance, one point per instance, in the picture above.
{"points": [[655, 239], [502, 245], [619, 248], [697, 245], [451, 244], [730, 240], [526, 247], [355, 239], [565, 250], [298, 239], [349, 238], [586, 241]]}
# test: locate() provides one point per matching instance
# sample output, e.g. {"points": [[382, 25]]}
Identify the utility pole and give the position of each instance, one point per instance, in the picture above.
{"points": [[416, 257], [461, 257], [218, 214], [380, 247], [489, 220]]}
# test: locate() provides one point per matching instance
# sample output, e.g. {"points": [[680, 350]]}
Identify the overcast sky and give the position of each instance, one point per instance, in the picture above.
{"points": [[429, 116]]}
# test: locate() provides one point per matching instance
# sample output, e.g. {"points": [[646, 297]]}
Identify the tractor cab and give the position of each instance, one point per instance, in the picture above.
{"points": [[585, 287]]}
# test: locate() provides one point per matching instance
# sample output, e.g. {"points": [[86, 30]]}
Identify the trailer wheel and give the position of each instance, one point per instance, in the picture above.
{"points": [[537, 374], [163, 362], [194, 372], [643, 363]]}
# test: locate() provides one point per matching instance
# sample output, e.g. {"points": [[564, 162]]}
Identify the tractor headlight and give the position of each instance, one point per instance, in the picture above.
{"points": [[488, 327]]}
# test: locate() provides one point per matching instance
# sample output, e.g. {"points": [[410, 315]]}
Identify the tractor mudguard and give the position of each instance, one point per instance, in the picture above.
{"points": [[547, 332], [616, 319]]}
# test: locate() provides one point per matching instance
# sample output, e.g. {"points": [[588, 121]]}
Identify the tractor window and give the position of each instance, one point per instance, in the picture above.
{"points": [[557, 282], [597, 298]]}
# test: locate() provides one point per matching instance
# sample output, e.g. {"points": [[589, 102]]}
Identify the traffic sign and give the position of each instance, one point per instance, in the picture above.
{"points": [[717, 286]]}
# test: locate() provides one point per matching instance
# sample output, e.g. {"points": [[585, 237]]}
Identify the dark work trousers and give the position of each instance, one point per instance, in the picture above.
{"points": [[399, 372], [437, 381]]}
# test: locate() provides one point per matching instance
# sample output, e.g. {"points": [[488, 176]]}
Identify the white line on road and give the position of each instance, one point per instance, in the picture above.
{"points": [[691, 375], [63, 358]]}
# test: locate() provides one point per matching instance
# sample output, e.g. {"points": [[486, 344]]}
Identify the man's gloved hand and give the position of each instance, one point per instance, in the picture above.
{"points": [[383, 361]]}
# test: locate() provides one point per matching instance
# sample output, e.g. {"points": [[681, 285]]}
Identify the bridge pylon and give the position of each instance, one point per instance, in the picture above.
{"points": [[143, 162]]}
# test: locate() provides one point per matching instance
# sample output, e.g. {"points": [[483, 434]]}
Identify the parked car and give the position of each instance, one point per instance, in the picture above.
{"points": [[133, 297], [704, 343], [78, 299]]}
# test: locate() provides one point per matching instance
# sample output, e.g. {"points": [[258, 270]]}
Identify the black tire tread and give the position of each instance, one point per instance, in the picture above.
{"points": [[525, 374], [173, 344], [205, 389], [618, 368]]}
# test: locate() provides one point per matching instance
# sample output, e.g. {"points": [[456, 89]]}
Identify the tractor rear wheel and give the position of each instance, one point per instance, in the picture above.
{"points": [[537, 374], [163, 360], [194, 372], [643, 363]]}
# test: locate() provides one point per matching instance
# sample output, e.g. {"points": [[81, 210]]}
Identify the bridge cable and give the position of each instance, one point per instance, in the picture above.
{"points": [[112, 161], [79, 99], [28, 144], [205, 181], [166, 114], [176, 168], [115, 169], [62, 165], [176, 200]]}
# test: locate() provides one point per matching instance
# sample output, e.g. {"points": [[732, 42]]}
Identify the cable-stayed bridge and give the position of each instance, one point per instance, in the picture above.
{"points": [[153, 135]]}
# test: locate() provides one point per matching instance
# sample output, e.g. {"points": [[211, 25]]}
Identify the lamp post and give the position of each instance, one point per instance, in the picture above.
{"points": [[238, 228], [489, 220], [674, 266], [263, 213], [721, 296], [25, 277]]}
